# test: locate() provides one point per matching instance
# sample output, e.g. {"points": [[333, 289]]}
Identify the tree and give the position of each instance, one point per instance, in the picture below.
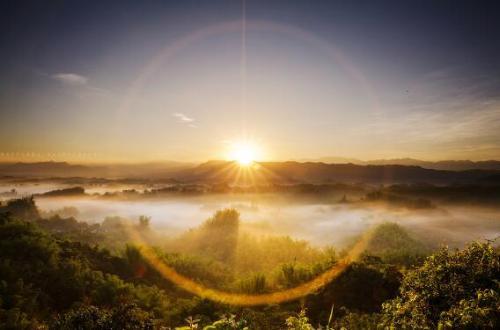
{"points": [[256, 283], [134, 258], [360, 288], [227, 322], [124, 317], [217, 237], [450, 290], [144, 222], [21, 209], [394, 245]]}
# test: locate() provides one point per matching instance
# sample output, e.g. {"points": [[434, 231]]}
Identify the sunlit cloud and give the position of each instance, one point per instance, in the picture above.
{"points": [[70, 79], [184, 119]]}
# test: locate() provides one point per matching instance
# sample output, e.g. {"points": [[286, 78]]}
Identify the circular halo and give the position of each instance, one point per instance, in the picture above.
{"points": [[240, 299], [150, 255]]}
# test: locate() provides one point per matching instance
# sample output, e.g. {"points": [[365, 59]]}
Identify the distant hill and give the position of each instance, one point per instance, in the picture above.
{"points": [[318, 173], [63, 169], [447, 165], [227, 172], [44, 169]]}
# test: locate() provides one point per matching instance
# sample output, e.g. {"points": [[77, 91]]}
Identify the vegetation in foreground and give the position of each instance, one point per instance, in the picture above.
{"points": [[58, 273]]}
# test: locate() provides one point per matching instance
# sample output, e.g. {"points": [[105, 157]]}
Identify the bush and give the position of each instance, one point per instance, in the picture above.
{"points": [[450, 290], [21, 209], [299, 322], [90, 317], [359, 288]]}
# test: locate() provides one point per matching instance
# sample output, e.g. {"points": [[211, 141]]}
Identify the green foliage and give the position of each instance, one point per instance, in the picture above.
{"points": [[299, 322], [361, 288], [17, 305], [65, 212], [91, 317], [217, 237], [294, 274], [66, 192], [394, 245], [35, 269], [227, 322], [199, 268], [270, 316], [481, 311], [265, 254], [70, 228], [255, 284], [223, 219], [52, 273], [21, 209], [144, 222], [87, 317], [135, 261], [450, 290], [356, 321]]}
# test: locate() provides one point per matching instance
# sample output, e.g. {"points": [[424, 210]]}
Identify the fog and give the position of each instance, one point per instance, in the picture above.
{"points": [[25, 189], [271, 214], [22, 189], [319, 223]]}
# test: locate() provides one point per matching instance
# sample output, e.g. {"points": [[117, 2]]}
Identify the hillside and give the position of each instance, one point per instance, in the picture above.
{"points": [[446, 165], [64, 169], [258, 173], [295, 172]]}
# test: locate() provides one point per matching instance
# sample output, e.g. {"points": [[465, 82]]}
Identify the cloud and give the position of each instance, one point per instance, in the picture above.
{"points": [[70, 79], [182, 118]]}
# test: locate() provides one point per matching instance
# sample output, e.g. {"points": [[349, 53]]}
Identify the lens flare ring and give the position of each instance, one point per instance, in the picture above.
{"points": [[172, 50], [239, 299], [148, 252]]}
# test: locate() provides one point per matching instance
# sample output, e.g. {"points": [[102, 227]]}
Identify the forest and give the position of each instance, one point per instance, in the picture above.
{"points": [[57, 272]]}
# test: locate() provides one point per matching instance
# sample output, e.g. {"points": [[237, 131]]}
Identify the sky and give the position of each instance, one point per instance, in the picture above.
{"points": [[135, 81]]}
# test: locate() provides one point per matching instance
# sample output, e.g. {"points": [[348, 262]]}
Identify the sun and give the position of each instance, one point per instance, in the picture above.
{"points": [[244, 156], [245, 153]]}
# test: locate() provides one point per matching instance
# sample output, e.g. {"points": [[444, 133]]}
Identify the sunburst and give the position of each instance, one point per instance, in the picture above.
{"points": [[244, 153]]}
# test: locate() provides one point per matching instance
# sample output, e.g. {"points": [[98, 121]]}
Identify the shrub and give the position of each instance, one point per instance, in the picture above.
{"points": [[450, 290]]}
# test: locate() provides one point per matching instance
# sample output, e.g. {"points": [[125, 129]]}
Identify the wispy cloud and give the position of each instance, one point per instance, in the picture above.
{"points": [[184, 119], [70, 79]]}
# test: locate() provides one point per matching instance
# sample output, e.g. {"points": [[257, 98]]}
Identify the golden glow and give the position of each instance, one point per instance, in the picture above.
{"points": [[244, 152], [248, 299]]}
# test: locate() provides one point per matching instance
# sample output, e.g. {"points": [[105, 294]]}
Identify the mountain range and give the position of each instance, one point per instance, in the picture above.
{"points": [[447, 165], [267, 172]]}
